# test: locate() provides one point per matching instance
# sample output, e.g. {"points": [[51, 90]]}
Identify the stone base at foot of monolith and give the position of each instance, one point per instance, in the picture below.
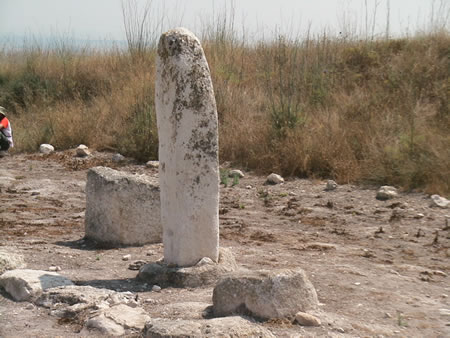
{"points": [[205, 272]]}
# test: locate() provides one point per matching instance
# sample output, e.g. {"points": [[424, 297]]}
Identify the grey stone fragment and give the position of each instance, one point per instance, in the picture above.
{"points": [[9, 259], [386, 192], [82, 151], [218, 327], [440, 202], [118, 158], [152, 164], [122, 208], [105, 325], [331, 185], [46, 148], [264, 294], [205, 272], [306, 319], [274, 179], [126, 316], [29, 284]]}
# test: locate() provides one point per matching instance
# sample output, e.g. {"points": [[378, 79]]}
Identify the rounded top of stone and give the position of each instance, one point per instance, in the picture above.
{"points": [[176, 41]]}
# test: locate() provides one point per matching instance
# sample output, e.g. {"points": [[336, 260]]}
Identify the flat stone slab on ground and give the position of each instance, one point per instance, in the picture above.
{"points": [[68, 296], [28, 284], [264, 294], [122, 208], [218, 327], [205, 272], [126, 316]]}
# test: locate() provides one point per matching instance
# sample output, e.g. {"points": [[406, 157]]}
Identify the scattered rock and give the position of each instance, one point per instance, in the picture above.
{"points": [[106, 326], [71, 301], [237, 173], [331, 185], [306, 319], [54, 268], [126, 257], [439, 273], [152, 164], [46, 148], [217, 327], [444, 312], [82, 151], [10, 260], [205, 272], [156, 288], [264, 294], [30, 306], [386, 192], [28, 284], [136, 265], [118, 158], [440, 202], [126, 316], [274, 179]]}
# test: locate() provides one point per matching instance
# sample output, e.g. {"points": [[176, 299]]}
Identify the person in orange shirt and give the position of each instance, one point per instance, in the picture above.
{"points": [[6, 140]]}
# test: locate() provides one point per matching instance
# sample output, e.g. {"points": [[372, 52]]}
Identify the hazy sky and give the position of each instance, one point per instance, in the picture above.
{"points": [[102, 19]]}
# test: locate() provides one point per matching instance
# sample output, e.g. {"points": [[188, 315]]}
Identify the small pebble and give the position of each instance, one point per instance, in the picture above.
{"points": [[126, 257], [29, 306], [274, 179], [331, 185], [439, 273], [237, 173], [305, 319], [156, 288], [152, 164], [54, 268]]}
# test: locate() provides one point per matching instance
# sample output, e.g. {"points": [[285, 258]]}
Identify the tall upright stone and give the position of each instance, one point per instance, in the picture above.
{"points": [[188, 150]]}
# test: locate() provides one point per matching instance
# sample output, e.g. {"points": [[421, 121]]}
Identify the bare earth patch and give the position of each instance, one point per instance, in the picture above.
{"points": [[380, 268]]}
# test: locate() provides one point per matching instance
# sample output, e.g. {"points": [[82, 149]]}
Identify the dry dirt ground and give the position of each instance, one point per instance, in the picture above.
{"points": [[380, 268]]}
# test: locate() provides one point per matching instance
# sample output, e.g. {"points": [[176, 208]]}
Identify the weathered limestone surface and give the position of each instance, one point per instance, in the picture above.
{"points": [[188, 150], [217, 327], [29, 284], [265, 294], [110, 312], [122, 208]]}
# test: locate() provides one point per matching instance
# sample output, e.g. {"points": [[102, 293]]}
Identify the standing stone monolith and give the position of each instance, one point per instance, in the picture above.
{"points": [[188, 150]]}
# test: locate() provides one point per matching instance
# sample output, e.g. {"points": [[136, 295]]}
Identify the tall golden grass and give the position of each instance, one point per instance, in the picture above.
{"points": [[373, 111]]}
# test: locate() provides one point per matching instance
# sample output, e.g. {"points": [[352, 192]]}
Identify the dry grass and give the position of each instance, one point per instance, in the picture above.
{"points": [[356, 111]]}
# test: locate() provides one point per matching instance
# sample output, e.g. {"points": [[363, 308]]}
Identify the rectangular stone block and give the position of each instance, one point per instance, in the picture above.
{"points": [[122, 208]]}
